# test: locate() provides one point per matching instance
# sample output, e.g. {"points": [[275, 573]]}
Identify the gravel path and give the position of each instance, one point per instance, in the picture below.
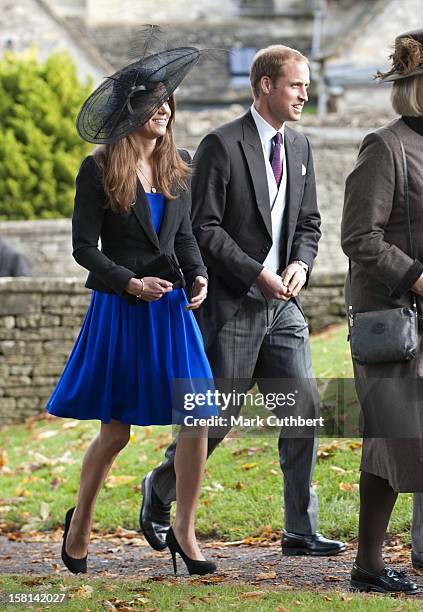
{"points": [[127, 554]]}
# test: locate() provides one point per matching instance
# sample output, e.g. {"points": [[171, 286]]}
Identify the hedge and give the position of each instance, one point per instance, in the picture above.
{"points": [[40, 150]]}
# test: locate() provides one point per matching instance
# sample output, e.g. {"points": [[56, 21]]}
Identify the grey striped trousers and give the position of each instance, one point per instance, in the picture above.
{"points": [[265, 339]]}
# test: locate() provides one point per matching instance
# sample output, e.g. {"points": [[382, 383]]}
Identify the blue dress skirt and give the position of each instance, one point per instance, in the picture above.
{"points": [[136, 364]]}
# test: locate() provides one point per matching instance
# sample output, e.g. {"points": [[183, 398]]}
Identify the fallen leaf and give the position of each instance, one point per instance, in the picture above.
{"points": [[84, 592], [118, 481], [44, 435], [3, 458], [44, 511], [54, 484], [346, 598], [337, 469], [214, 486], [326, 451], [252, 595], [266, 576], [69, 425], [10, 500], [347, 487], [248, 466], [20, 492]]}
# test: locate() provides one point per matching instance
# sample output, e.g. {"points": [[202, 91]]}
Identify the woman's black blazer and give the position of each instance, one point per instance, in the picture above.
{"points": [[128, 240]]}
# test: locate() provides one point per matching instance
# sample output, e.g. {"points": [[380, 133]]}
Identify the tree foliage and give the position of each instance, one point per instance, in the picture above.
{"points": [[40, 150]]}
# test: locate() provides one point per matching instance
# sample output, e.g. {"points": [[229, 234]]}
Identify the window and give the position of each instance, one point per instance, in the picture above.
{"points": [[240, 59], [256, 7]]}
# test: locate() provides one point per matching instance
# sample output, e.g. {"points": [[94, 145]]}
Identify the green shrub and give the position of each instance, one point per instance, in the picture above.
{"points": [[40, 150]]}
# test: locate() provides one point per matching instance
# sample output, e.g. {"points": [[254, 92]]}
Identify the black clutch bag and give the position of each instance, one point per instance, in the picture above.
{"points": [[165, 267], [391, 335]]}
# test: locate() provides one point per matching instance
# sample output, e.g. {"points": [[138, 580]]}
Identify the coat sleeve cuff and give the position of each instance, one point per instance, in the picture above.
{"points": [[190, 278], [407, 281], [120, 279]]}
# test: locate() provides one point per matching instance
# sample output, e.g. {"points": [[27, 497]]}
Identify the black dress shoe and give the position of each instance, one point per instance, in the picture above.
{"points": [[388, 581], [76, 566], [417, 560], [154, 516], [316, 545]]}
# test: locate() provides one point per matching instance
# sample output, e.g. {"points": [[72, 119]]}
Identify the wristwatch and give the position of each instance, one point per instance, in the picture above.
{"points": [[302, 264]]}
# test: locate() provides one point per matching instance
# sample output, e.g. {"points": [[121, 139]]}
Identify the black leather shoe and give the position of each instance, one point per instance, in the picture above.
{"points": [[76, 566], [154, 516], [417, 560], [388, 581], [316, 545]]}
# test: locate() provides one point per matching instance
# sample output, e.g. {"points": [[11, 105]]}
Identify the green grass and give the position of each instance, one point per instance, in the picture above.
{"points": [[331, 353], [242, 492], [241, 497], [192, 594]]}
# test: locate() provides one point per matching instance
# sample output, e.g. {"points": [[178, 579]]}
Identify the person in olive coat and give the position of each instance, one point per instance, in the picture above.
{"points": [[386, 275]]}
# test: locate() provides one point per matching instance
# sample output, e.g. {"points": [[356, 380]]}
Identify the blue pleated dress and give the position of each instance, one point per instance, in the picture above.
{"points": [[136, 363]]}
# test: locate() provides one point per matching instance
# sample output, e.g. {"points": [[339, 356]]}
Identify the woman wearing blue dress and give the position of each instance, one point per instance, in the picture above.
{"points": [[133, 194]]}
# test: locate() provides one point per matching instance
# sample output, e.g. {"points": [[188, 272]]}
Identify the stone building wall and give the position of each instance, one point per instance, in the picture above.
{"points": [[25, 23], [127, 11], [211, 81], [40, 320]]}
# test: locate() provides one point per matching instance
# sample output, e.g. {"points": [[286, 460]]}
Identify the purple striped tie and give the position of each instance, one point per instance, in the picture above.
{"points": [[276, 159]]}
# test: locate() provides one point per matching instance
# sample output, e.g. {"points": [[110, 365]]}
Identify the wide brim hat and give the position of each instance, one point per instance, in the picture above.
{"points": [[126, 100], [407, 58]]}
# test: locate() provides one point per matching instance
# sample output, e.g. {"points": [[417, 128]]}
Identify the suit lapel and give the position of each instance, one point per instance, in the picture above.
{"points": [[142, 211], [168, 223], [253, 151], [293, 163]]}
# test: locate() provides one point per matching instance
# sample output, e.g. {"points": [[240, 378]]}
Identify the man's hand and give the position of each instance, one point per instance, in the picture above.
{"points": [[294, 278], [199, 293], [418, 286], [271, 285]]}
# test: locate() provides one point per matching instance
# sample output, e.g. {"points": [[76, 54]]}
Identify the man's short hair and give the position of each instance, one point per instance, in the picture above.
{"points": [[269, 62]]}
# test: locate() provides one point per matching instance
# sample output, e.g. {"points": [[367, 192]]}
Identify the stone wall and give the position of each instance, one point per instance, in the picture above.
{"points": [[40, 320], [47, 244]]}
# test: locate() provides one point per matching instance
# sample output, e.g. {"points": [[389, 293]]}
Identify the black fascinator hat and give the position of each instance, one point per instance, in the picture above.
{"points": [[130, 97]]}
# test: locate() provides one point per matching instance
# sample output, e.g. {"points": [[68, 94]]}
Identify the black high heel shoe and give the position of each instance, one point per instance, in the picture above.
{"points": [[76, 566], [193, 566]]}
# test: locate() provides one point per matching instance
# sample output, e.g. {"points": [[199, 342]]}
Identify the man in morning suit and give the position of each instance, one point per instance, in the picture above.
{"points": [[255, 217]]}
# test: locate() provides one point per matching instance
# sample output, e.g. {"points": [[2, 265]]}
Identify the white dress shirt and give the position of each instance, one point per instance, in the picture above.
{"points": [[277, 197]]}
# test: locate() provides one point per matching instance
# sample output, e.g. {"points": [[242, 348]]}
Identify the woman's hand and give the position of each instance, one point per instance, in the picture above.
{"points": [[418, 286], [199, 293], [149, 288]]}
